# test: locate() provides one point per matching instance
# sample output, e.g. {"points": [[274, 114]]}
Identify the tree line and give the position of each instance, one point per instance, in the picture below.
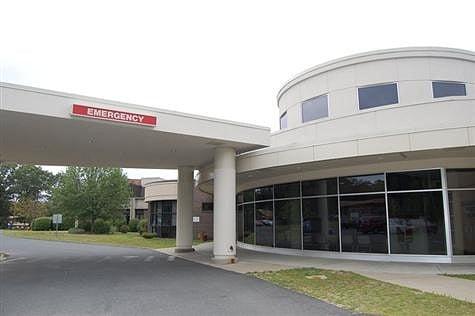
{"points": [[79, 193]]}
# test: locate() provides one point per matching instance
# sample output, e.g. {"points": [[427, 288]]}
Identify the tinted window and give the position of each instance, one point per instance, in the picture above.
{"points": [[283, 121], [363, 223], [207, 206], [315, 108], [287, 190], [239, 223], [416, 223], [249, 236], [264, 193], [462, 220], [320, 224], [374, 96], [319, 187], [264, 224], [239, 198], [413, 180], [359, 184], [287, 224], [248, 195], [461, 178], [446, 89]]}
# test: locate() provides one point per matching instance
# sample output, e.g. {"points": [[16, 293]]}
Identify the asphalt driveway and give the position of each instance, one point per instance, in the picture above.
{"points": [[56, 278]]}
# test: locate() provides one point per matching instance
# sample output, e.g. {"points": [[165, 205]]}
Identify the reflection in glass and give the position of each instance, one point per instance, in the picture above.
{"points": [[363, 223], [319, 187], [315, 108], [377, 95], [283, 121], [248, 195], [320, 224], [361, 184], [462, 220], [287, 224], [460, 178], [264, 193], [249, 236], [264, 224], [240, 223], [287, 190], [414, 180], [416, 223], [448, 88]]}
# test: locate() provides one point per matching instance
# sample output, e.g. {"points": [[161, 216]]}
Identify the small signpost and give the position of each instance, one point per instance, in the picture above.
{"points": [[196, 219], [57, 219]]}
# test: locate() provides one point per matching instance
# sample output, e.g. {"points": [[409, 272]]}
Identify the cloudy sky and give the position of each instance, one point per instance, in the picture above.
{"points": [[225, 59]]}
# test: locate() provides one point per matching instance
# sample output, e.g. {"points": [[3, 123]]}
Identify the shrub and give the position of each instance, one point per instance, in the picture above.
{"points": [[133, 225], [124, 229], [76, 231], [101, 227], [149, 235], [142, 227], [86, 226], [41, 223]]}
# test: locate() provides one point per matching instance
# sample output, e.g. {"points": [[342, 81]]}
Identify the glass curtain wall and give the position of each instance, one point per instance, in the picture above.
{"points": [[461, 192], [393, 212]]}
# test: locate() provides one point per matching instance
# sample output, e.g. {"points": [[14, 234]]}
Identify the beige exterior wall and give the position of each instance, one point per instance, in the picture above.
{"points": [[160, 190]]}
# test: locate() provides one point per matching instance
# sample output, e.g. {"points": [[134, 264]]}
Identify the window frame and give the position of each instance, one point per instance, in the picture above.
{"points": [[286, 121], [449, 82], [375, 85], [320, 118]]}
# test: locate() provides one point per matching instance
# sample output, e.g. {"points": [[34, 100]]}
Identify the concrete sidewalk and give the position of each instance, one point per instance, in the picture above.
{"points": [[422, 276]]}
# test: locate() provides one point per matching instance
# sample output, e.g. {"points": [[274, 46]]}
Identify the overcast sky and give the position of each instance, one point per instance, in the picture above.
{"points": [[225, 59]]}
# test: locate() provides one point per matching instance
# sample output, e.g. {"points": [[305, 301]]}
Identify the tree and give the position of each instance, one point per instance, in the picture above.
{"points": [[91, 193], [29, 209], [6, 171], [31, 182]]}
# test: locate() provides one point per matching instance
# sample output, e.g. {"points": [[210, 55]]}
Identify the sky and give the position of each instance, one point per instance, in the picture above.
{"points": [[225, 59]]}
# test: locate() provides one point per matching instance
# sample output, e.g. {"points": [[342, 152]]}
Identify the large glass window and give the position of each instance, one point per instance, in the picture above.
{"points": [[378, 95], [319, 187], [320, 224], [416, 223], [239, 223], [414, 180], [287, 224], [461, 178], [264, 193], [264, 223], [448, 88], [462, 219], [249, 235], [361, 184], [315, 108], [283, 121], [363, 223], [287, 190], [461, 185], [248, 195]]}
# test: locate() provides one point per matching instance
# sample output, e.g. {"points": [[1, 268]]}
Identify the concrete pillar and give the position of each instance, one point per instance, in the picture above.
{"points": [[184, 215], [224, 223]]}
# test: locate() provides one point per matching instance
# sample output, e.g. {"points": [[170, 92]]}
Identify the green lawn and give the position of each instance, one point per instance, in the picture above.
{"points": [[364, 295], [118, 239], [462, 276]]}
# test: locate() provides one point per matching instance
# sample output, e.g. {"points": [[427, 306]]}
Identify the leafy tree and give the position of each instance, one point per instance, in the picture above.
{"points": [[6, 171], [91, 193], [29, 209], [31, 182]]}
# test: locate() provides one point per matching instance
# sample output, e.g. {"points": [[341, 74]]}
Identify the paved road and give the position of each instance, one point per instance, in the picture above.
{"points": [[56, 278]]}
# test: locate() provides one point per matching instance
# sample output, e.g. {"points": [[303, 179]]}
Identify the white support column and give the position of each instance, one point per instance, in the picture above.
{"points": [[224, 217], [184, 215]]}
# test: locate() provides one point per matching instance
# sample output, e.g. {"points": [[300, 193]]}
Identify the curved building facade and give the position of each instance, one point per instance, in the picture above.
{"points": [[375, 160]]}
